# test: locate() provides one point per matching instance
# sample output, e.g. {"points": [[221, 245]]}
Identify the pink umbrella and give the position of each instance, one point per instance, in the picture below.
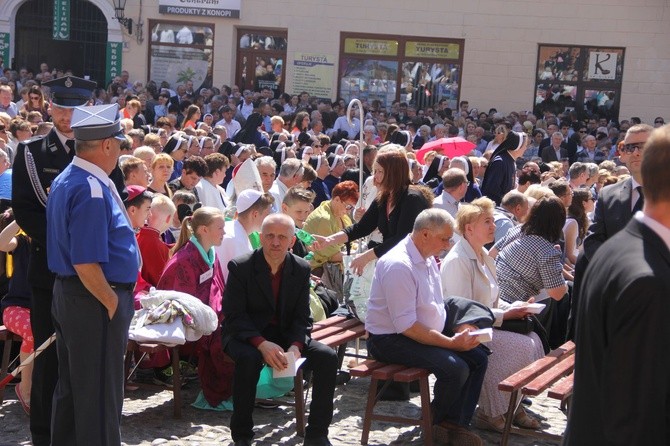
{"points": [[451, 147]]}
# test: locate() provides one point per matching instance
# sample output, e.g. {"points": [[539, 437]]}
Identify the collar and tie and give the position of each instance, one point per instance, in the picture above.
{"points": [[640, 201], [69, 144]]}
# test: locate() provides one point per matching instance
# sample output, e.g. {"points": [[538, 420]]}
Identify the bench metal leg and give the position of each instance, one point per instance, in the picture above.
{"points": [[426, 414]]}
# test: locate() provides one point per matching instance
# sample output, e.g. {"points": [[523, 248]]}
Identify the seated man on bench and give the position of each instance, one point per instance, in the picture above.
{"points": [[266, 314], [406, 323]]}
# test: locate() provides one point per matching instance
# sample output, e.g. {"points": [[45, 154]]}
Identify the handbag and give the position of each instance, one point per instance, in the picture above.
{"points": [[522, 326]]}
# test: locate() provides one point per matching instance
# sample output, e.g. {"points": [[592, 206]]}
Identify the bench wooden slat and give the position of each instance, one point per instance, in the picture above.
{"points": [[366, 368], [6, 335], [531, 371], [334, 329], [410, 374], [387, 371], [343, 337], [562, 389], [539, 384], [328, 322]]}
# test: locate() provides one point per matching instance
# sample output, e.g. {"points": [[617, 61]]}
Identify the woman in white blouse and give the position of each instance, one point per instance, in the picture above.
{"points": [[469, 272]]}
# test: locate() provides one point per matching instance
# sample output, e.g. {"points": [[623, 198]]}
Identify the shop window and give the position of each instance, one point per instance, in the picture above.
{"points": [[417, 70], [180, 52], [583, 79], [261, 57]]}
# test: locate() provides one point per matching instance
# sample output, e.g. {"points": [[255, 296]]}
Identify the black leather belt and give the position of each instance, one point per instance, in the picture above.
{"points": [[115, 285]]}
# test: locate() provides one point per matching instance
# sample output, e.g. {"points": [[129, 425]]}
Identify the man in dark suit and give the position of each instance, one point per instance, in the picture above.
{"points": [[615, 204], [622, 374], [554, 151], [615, 207], [38, 162], [266, 315]]}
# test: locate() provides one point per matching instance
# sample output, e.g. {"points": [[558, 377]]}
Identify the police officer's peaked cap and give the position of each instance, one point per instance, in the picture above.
{"points": [[70, 91], [97, 122]]}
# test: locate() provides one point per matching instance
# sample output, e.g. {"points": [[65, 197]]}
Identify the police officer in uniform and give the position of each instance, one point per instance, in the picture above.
{"points": [[37, 163], [92, 250]]}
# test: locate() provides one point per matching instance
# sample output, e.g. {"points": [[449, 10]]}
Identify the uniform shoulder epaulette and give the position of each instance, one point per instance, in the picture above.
{"points": [[96, 188]]}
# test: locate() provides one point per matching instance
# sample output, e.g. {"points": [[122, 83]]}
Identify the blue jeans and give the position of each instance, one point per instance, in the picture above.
{"points": [[459, 375]]}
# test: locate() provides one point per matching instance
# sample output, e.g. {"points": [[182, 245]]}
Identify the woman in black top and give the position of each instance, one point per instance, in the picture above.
{"points": [[393, 212]]}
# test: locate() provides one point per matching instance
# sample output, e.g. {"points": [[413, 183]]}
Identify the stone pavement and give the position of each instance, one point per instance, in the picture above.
{"points": [[147, 420]]}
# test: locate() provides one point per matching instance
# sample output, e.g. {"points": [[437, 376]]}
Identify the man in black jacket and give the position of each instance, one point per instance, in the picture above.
{"points": [[38, 162], [621, 369], [266, 316]]}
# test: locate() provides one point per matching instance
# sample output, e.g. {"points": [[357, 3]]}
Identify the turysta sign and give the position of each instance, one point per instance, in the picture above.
{"points": [[201, 8]]}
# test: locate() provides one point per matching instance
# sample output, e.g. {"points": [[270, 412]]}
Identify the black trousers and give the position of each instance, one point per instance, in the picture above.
{"points": [[321, 359], [88, 398], [45, 369]]}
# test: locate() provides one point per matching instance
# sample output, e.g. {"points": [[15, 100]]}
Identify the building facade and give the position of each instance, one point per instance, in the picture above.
{"points": [[608, 57]]}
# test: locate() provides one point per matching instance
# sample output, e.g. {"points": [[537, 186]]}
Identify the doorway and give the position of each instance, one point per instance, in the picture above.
{"points": [[84, 54]]}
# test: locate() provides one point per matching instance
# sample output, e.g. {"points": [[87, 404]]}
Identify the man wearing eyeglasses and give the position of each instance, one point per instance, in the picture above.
{"points": [[617, 203], [658, 122]]}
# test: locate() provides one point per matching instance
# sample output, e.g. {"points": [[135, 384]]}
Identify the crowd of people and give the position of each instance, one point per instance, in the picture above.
{"points": [[216, 183]]}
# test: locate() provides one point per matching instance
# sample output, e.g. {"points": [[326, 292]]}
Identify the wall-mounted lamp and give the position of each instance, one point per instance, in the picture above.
{"points": [[119, 14]]}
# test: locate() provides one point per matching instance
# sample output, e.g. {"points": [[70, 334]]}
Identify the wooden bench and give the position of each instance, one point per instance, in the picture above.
{"points": [[335, 332], [399, 373], [8, 338], [553, 372]]}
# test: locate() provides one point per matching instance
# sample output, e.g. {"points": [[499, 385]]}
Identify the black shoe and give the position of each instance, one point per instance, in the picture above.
{"points": [[342, 377], [243, 442], [317, 441]]}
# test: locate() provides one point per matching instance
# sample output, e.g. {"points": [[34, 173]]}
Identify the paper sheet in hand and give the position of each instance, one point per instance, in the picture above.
{"points": [[291, 369], [483, 334]]}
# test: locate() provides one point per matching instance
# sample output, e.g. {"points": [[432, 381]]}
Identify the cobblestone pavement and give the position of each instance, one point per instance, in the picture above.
{"points": [[147, 420]]}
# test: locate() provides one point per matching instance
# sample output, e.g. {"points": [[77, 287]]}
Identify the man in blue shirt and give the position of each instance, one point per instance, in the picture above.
{"points": [[93, 252]]}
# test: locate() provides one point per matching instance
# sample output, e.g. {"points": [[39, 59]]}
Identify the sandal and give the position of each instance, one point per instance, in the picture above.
{"points": [[496, 424], [525, 421], [24, 405]]}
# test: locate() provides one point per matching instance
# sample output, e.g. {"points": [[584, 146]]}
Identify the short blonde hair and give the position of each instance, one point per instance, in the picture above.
{"points": [[470, 212], [538, 192], [163, 205], [162, 158]]}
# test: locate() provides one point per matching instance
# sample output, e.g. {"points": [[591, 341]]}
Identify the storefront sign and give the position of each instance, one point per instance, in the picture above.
{"points": [[433, 50], [371, 47], [204, 8], [114, 51], [314, 73], [4, 49], [61, 25], [176, 65], [602, 65]]}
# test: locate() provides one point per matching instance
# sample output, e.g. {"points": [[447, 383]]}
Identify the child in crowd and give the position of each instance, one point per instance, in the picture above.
{"points": [[16, 303], [155, 252]]}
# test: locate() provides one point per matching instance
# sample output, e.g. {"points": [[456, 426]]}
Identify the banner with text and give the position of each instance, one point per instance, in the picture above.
{"points": [[433, 50], [204, 8], [178, 65], [4, 49], [374, 47], [61, 25], [114, 52], [314, 74]]}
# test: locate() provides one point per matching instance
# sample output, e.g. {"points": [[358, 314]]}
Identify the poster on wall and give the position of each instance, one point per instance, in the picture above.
{"points": [[202, 8], [314, 74], [4, 49], [178, 65], [602, 65]]}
